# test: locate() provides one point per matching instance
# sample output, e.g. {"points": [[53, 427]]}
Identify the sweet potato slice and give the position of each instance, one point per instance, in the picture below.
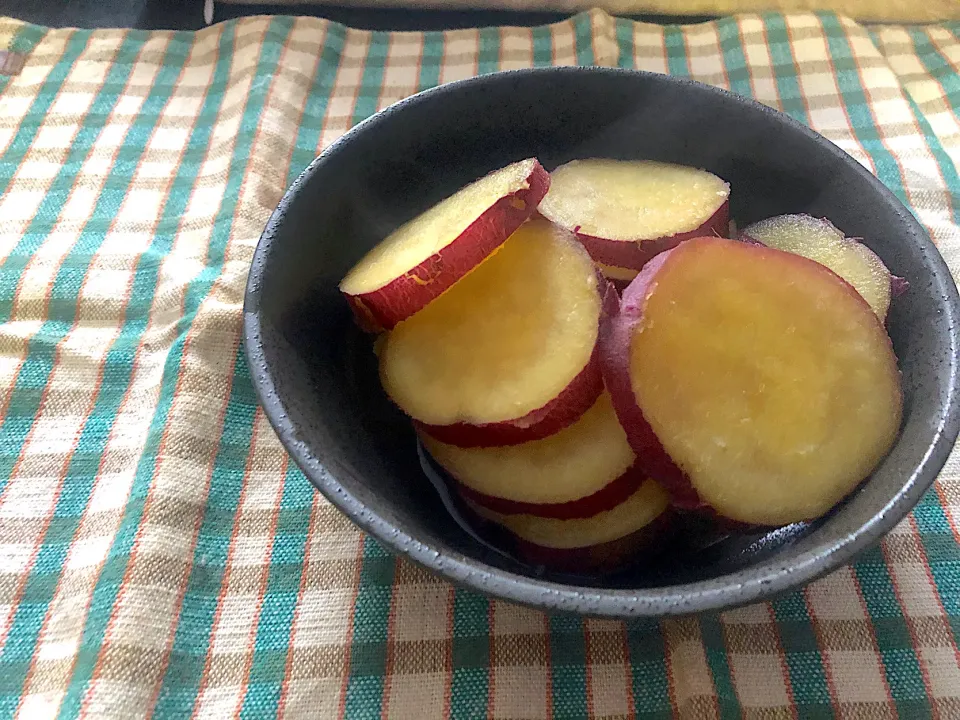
{"points": [[638, 510], [540, 423], [605, 540], [819, 240], [511, 344], [425, 256], [751, 380], [577, 472], [625, 212]]}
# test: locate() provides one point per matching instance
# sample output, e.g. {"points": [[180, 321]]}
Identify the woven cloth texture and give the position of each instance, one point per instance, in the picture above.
{"points": [[159, 553]]}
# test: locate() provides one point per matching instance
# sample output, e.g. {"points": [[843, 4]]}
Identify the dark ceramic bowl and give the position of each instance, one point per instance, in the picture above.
{"points": [[316, 374]]}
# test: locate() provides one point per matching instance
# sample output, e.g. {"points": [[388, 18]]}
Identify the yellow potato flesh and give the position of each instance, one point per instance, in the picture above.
{"points": [[766, 378], [633, 514], [503, 341], [629, 200], [821, 242], [574, 463], [433, 230]]}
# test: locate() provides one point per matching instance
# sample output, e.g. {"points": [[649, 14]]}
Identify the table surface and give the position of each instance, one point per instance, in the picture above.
{"points": [[159, 554]]}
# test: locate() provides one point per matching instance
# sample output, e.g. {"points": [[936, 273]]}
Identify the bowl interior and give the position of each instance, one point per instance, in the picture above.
{"points": [[317, 375]]}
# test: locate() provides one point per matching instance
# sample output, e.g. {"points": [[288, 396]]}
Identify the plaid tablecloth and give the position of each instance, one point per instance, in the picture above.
{"points": [[160, 555]]}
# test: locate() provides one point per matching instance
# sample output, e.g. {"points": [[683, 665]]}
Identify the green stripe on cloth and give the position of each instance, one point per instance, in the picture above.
{"points": [[857, 107], [901, 666], [939, 542], [734, 60], [488, 54], [431, 60], [368, 646], [716, 652], [372, 80], [785, 68], [110, 582], [650, 685], [23, 403], [568, 657], [191, 642], [542, 46], [42, 581], [470, 687], [676, 51], [804, 662], [939, 68], [272, 643], [623, 30], [583, 39], [15, 263], [311, 122], [937, 65], [371, 622]]}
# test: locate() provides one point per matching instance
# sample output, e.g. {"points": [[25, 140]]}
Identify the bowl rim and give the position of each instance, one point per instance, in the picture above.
{"points": [[742, 587]]}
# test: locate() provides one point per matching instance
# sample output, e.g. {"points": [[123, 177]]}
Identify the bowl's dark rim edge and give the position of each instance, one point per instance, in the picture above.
{"points": [[759, 582]]}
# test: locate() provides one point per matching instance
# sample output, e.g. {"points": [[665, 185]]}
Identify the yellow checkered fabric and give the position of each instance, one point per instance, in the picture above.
{"points": [[159, 554]]}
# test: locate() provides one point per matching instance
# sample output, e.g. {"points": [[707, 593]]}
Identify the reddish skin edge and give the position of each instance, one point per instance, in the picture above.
{"points": [[618, 321], [743, 237], [572, 402], [898, 286], [400, 298], [565, 409], [606, 498], [637, 253], [650, 539], [616, 331]]}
